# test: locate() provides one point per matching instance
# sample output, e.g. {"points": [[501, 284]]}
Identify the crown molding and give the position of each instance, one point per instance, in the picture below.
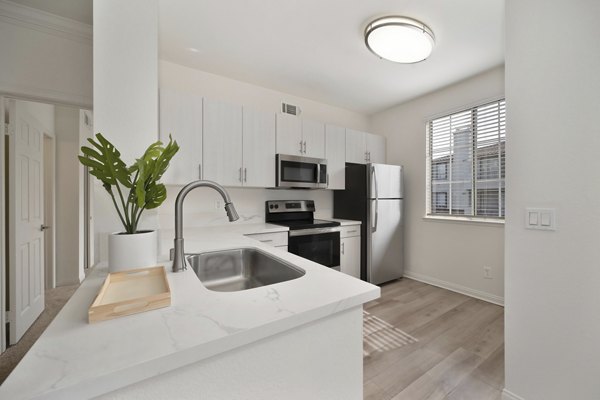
{"points": [[42, 21]]}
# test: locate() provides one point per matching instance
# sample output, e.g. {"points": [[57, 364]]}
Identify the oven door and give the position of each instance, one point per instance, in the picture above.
{"points": [[301, 172], [321, 245]]}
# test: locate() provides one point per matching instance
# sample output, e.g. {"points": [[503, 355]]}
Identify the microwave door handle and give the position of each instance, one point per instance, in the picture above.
{"points": [[318, 180], [374, 183]]}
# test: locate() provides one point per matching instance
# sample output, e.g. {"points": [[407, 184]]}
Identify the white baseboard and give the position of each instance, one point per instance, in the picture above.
{"points": [[507, 395], [491, 298]]}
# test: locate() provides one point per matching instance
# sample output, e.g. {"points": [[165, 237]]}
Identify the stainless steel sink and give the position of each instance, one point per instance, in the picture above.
{"points": [[241, 269]]}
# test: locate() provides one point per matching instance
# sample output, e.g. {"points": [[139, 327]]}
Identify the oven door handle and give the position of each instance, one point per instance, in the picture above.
{"points": [[314, 231]]}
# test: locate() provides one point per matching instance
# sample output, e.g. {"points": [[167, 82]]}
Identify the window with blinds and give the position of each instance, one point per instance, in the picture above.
{"points": [[465, 157]]}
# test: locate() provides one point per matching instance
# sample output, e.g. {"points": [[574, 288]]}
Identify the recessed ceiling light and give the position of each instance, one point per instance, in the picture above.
{"points": [[193, 50], [399, 39]]}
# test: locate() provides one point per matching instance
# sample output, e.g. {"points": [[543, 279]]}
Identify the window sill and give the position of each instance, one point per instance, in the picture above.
{"points": [[465, 220]]}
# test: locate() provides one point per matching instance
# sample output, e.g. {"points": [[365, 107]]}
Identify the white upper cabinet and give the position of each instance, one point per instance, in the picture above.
{"points": [[313, 137], [375, 148], [300, 137], [363, 147], [289, 135], [181, 117], [356, 146], [335, 153], [222, 155], [258, 148]]}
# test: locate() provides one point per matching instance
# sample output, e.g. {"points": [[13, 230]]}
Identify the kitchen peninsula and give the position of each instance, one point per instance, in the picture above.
{"points": [[296, 339]]}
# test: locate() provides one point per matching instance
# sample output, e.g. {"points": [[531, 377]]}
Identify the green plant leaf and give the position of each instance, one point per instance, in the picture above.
{"points": [[104, 162], [156, 194]]}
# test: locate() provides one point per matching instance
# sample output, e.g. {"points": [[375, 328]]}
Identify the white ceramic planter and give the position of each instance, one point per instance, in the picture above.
{"points": [[132, 251]]}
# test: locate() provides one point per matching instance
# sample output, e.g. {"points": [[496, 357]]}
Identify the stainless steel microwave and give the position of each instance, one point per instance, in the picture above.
{"points": [[301, 172]]}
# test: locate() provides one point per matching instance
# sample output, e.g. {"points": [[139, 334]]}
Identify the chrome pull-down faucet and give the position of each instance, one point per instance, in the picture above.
{"points": [[178, 254]]}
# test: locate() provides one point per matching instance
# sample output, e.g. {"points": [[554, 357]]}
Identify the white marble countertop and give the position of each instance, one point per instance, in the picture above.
{"points": [[74, 359]]}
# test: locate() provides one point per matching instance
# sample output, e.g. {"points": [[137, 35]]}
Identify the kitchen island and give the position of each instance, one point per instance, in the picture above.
{"points": [[296, 339]]}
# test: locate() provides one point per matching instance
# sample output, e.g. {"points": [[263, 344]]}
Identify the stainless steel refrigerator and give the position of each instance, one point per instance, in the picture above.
{"points": [[374, 196]]}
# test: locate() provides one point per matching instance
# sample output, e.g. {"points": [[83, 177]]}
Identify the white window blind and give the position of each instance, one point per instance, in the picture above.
{"points": [[466, 159]]}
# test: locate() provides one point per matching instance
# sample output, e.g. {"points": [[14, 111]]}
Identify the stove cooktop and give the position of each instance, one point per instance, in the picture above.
{"points": [[307, 224]]}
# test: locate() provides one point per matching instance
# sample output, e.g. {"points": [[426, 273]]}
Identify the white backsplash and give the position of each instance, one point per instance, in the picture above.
{"points": [[204, 206]]}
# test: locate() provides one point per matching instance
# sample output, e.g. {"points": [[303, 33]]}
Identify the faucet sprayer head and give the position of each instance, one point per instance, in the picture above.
{"points": [[231, 212]]}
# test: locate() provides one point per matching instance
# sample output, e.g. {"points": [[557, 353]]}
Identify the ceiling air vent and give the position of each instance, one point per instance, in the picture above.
{"points": [[290, 109]]}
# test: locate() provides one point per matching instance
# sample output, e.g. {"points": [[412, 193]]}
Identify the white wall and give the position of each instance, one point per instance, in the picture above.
{"points": [[44, 57], [68, 251], [553, 278], [451, 254], [217, 87]]}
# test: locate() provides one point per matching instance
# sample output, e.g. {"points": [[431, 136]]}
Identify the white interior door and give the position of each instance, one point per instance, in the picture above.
{"points": [[26, 213]]}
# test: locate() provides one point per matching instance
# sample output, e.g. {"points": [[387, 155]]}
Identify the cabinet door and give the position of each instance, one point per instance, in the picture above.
{"points": [[356, 146], [376, 148], [222, 155], [313, 135], [335, 153], [181, 116], [289, 134], [259, 148], [350, 256]]}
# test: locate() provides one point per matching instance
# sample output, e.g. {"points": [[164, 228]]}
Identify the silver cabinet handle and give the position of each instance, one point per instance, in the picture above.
{"points": [[343, 248], [44, 227], [245, 174], [301, 147], [266, 241], [305, 147], [240, 174], [354, 231]]}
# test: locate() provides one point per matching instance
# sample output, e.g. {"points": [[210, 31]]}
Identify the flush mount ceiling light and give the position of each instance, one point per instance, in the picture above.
{"points": [[399, 39]]}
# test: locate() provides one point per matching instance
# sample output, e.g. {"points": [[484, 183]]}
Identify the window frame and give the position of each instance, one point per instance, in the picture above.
{"points": [[492, 220]]}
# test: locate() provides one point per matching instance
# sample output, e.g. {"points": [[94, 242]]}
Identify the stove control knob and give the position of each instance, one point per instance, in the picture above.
{"points": [[276, 206]]}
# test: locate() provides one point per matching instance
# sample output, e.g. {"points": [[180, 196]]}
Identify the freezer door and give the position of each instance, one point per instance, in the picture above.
{"points": [[385, 181], [385, 247]]}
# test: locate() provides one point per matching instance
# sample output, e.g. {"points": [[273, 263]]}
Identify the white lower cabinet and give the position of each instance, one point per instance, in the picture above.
{"points": [[350, 250], [276, 239]]}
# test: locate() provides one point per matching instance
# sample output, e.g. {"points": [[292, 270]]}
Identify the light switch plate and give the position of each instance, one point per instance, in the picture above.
{"points": [[540, 218]]}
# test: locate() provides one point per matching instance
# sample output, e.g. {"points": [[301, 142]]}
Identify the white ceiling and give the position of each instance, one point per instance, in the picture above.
{"points": [[78, 10], [315, 48]]}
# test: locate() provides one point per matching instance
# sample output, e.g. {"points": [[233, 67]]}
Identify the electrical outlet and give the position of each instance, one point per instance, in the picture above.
{"points": [[487, 272]]}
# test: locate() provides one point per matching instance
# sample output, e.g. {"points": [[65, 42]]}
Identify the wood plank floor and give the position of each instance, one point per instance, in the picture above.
{"points": [[424, 342]]}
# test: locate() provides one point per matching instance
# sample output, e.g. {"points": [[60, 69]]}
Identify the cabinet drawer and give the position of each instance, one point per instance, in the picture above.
{"points": [[350, 231], [272, 239]]}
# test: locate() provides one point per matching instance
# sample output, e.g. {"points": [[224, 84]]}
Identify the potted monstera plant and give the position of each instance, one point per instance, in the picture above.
{"points": [[133, 189]]}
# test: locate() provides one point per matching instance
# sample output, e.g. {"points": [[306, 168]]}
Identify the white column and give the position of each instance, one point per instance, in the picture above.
{"points": [[125, 91], [126, 74]]}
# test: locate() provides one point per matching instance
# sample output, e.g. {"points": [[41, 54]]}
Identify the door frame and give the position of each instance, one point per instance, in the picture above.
{"points": [[2, 228], [50, 213]]}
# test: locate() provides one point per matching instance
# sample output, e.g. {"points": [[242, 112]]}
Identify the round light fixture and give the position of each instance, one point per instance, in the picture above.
{"points": [[399, 39]]}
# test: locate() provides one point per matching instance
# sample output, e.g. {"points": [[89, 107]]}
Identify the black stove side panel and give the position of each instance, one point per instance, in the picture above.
{"points": [[351, 203]]}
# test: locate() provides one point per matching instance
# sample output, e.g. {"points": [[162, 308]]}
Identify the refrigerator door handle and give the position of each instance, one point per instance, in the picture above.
{"points": [[374, 183]]}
